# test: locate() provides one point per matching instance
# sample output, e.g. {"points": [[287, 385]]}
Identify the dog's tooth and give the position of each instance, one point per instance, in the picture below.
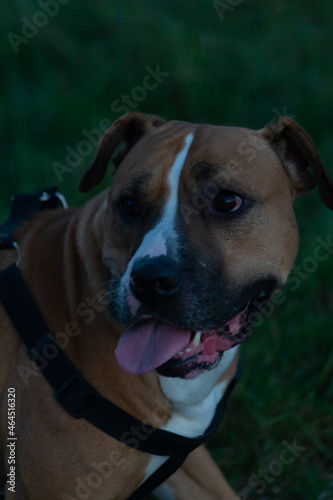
{"points": [[187, 349], [180, 353], [197, 338]]}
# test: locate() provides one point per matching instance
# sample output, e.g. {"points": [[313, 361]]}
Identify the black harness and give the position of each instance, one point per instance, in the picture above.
{"points": [[71, 390]]}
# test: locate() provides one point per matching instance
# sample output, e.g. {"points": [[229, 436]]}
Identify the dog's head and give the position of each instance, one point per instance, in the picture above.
{"points": [[199, 232]]}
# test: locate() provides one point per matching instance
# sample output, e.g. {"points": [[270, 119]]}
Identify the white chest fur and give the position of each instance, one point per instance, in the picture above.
{"points": [[194, 402]]}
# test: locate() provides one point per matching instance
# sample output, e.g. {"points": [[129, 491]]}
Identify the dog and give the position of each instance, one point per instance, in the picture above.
{"points": [[151, 286]]}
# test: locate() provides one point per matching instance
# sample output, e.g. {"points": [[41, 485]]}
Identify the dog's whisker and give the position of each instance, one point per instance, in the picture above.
{"points": [[107, 294]]}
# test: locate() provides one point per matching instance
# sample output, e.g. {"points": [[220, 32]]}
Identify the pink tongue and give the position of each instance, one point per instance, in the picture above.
{"points": [[148, 344]]}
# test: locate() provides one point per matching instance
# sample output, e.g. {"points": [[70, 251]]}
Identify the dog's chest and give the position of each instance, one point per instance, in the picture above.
{"points": [[194, 403]]}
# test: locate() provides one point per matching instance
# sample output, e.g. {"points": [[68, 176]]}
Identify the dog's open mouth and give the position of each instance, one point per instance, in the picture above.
{"points": [[151, 344]]}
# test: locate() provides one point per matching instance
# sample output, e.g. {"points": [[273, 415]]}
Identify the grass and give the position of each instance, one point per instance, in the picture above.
{"points": [[262, 60]]}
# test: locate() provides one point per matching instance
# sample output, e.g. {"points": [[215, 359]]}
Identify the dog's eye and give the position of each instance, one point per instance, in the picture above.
{"points": [[129, 207], [227, 201]]}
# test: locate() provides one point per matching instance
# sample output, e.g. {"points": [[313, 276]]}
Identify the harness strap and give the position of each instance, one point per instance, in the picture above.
{"points": [[158, 477]]}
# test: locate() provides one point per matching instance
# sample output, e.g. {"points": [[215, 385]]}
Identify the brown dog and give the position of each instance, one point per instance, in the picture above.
{"points": [[149, 288]]}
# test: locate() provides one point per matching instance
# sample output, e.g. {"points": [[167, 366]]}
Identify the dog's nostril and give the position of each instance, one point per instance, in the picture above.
{"points": [[166, 283], [138, 282]]}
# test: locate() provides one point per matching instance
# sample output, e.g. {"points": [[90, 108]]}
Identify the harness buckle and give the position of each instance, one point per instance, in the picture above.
{"points": [[75, 394], [24, 206]]}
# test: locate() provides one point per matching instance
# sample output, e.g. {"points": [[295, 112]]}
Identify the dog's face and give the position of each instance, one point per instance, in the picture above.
{"points": [[199, 231]]}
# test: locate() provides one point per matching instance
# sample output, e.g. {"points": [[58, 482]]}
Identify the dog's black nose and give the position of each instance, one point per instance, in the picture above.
{"points": [[154, 277]]}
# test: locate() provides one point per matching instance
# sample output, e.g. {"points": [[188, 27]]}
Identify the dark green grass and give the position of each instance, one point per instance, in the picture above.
{"points": [[265, 58]]}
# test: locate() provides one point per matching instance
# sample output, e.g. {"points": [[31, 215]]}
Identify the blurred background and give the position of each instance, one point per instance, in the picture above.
{"points": [[68, 69]]}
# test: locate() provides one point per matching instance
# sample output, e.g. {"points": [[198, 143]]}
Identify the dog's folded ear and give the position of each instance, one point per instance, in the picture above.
{"points": [[299, 157], [129, 129]]}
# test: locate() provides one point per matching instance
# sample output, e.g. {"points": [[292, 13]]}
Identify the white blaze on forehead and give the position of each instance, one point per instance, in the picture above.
{"points": [[174, 178], [155, 241]]}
